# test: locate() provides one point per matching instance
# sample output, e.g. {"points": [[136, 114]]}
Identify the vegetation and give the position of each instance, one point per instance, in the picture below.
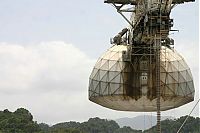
{"points": [[21, 121], [93, 125], [171, 126]]}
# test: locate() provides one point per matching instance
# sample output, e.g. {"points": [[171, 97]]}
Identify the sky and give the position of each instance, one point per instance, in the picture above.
{"points": [[49, 47]]}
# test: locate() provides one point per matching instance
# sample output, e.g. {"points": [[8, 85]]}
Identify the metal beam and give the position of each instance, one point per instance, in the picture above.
{"points": [[120, 12], [132, 2], [181, 1]]}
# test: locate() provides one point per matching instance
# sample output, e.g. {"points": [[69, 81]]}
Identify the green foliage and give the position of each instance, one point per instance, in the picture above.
{"points": [[126, 129], [171, 126], [21, 121], [93, 125], [70, 124], [44, 127], [65, 130], [97, 125], [66, 127]]}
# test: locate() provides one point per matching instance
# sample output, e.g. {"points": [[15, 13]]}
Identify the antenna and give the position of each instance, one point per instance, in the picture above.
{"points": [[142, 74]]}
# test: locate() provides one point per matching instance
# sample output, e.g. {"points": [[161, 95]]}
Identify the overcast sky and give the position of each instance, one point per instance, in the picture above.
{"points": [[49, 47]]}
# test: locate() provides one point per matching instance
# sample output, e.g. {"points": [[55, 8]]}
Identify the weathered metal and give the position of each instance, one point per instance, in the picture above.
{"points": [[124, 79]]}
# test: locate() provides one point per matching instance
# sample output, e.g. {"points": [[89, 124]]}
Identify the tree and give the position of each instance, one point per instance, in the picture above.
{"points": [[126, 129], [21, 121]]}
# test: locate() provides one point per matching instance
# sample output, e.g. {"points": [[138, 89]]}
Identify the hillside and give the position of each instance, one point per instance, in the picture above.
{"points": [[140, 122], [21, 121]]}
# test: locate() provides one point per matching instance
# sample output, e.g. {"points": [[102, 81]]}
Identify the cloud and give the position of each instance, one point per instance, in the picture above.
{"points": [[45, 66], [51, 80], [44, 77]]}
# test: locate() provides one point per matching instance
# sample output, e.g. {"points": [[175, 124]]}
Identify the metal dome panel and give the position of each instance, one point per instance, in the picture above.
{"points": [[121, 82]]}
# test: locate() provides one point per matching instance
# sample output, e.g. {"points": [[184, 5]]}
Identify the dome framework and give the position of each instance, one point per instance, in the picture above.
{"points": [[124, 79]]}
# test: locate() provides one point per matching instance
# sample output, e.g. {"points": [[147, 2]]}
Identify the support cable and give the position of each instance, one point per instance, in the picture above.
{"points": [[187, 117]]}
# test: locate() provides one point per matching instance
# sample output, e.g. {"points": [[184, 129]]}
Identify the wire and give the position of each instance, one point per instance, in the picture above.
{"points": [[187, 117]]}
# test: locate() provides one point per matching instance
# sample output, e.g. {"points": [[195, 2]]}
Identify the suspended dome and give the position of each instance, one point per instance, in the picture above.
{"points": [[126, 82]]}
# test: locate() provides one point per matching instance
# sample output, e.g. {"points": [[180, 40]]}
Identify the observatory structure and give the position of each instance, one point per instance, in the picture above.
{"points": [[142, 71]]}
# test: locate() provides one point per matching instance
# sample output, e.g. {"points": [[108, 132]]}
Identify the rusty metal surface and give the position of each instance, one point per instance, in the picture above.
{"points": [[126, 103]]}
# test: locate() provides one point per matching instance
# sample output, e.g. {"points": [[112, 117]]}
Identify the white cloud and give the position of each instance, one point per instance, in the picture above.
{"points": [[51, 80], [43, 65], [44, 77]]}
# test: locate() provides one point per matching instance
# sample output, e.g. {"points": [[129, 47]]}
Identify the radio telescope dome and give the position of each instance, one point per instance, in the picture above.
{"points": [[123, 81]]}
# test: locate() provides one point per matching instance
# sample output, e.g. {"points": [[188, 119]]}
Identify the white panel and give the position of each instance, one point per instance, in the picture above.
{"points": [[163, 77], [97, 77], [184, 87], [102, 73], [191, 86], [169, 68], [105, 91], [182, 67], [115, 56], [112, 75], [111, 55], [98, 64], [170, 79], [175, 76], [175, 64], [120, 90], [94, 72], [105, 78], [180, 91], [181, 78], [114, 87], [188, 76], [173, 67], [122, 65], [103, 86], [114, 67], [163, 68], [105, 66], [106, 56], [91, 85], [183, 74], [97, 89], [168, 91], [117, 79], [103, 62], [118, 68], [111, 63], [95, 84]]}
